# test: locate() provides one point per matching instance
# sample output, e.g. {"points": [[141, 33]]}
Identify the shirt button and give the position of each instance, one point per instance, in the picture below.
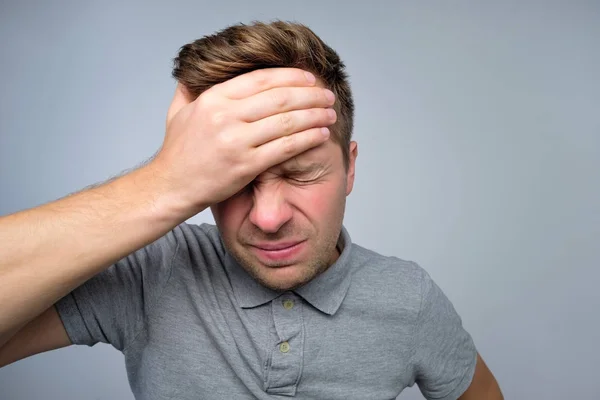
{"points": [[288, 304], [284, 347]]}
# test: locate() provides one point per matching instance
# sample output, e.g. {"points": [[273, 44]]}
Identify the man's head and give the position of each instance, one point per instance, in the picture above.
{"points": [[282, 228]]}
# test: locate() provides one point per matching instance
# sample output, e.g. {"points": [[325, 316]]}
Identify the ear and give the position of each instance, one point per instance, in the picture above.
{"points": [[181, 98], [352, 154]]}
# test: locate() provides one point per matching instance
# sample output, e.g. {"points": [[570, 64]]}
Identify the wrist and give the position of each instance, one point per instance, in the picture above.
{"points": [[166, 198]]}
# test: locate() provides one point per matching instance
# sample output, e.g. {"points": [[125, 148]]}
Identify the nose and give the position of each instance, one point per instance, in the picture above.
{"points": [[270, 210]]}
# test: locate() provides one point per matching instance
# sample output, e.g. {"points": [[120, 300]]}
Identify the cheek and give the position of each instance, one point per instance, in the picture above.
{"points": [[318, 201]]}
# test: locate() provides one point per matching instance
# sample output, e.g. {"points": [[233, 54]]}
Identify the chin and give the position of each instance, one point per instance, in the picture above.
{"points": [[282, 278], [280, 286]]}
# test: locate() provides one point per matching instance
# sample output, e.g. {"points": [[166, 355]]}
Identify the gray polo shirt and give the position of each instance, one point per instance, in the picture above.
{"points": [[193, 324]]}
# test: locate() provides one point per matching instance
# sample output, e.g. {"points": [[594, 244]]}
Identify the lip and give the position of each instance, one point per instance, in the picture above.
{"points": [[275, 246], [278, 252]]}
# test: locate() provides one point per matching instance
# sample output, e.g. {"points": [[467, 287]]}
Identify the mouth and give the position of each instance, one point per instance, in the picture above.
{"points": [[278, 252]]}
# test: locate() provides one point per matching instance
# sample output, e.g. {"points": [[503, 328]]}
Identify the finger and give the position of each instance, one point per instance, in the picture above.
{"points": [[181, 98], [257, 81], [278, 100], [282, 149], [284, 124]]}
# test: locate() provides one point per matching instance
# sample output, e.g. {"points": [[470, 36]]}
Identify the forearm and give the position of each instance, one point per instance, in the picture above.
{"points": [[47, 251], [483, 385]]}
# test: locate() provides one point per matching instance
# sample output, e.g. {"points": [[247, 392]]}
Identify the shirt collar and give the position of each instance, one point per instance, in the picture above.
{"points": [[325, 292]]}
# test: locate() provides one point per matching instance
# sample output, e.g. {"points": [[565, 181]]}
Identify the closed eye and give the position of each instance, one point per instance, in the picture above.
{"points": [[301, 181]]}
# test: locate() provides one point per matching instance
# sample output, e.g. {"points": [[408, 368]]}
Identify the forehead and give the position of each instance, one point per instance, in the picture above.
{"points": [[327, 153]]}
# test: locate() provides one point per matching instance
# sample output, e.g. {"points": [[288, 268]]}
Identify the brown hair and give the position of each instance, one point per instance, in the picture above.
{"points": [[242, 48]]}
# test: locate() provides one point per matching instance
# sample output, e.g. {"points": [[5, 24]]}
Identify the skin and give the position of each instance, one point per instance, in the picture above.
{"points": [[262, 128], [302, 199], [214, 146], [483, 385]]}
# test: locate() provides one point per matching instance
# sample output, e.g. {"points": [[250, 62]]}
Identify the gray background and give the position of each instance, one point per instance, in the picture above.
{"points": [[479, 142]]}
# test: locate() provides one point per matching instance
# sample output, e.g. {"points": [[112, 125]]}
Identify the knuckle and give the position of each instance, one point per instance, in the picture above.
{"points": [[285, 121], [288, 144], [260, 78], [278, 99], [205, 100], [243, 170], [219, 117], [316, 114], [227, 140]]}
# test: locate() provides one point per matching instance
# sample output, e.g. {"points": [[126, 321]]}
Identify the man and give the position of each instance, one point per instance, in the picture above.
{"points": [[273, 302]]}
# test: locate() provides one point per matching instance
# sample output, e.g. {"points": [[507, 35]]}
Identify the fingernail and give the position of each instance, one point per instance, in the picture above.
{"points": [[331, 113], [325, 132], [310, 77], [329, 94]]}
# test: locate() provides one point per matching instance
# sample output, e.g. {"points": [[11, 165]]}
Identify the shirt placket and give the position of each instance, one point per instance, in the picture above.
{"points": [[287, 352]]}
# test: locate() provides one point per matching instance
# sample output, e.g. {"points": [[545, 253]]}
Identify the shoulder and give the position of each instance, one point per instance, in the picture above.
{"points": [[196, 238], [378, 266], [387, 271], [388, 279], [184, 238]]}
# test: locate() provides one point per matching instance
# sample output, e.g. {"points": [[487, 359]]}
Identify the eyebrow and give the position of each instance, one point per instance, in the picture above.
{"points": [[300, 167]]}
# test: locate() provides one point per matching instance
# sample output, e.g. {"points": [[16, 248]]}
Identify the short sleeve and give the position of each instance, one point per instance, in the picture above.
{"points": [[111, 306], [444, 353]]}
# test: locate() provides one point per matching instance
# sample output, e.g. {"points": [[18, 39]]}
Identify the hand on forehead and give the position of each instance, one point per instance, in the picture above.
{"points": [[312, 159], [264, 120]]}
